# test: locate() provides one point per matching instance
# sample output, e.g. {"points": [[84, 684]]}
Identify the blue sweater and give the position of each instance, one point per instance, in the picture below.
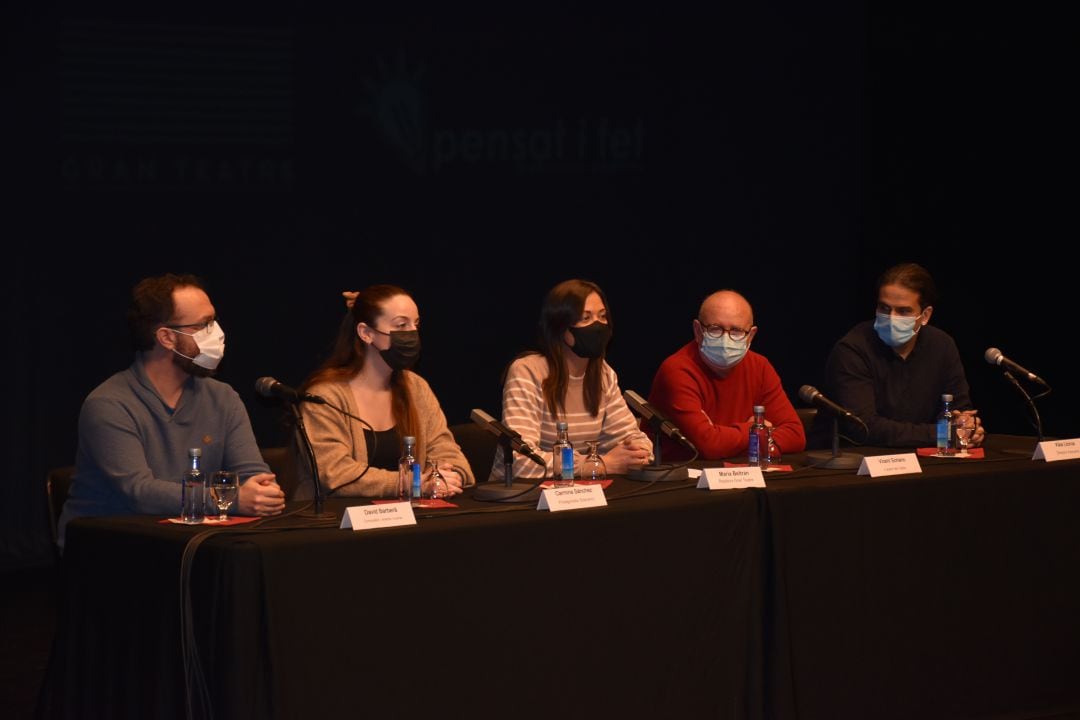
{"points": [[133, 449]]}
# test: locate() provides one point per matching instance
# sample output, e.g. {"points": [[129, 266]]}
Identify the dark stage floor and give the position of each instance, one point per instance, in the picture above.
{"points": [[28, 602]]}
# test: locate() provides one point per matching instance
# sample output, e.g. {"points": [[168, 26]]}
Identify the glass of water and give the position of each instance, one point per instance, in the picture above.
{"points": [[223, 488], [438, 488], [964, 429]]}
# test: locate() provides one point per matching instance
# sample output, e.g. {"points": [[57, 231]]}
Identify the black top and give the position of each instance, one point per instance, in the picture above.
{"points": [[383, 448], [899, 399]]}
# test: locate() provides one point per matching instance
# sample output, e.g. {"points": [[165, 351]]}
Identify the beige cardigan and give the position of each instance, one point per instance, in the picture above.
{"points": [[341, 450]]}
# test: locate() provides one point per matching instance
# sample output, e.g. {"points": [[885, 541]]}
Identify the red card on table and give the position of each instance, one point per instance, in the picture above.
{"points": [[772, 468], [973, 454]]}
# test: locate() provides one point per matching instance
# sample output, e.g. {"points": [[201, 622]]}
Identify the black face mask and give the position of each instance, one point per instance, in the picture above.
{"points": [[404, 349], [591, 341]]}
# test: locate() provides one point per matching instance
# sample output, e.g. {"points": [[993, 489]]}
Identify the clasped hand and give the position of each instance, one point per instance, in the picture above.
{"points": [[964, 418], [633, 452], [261, 495]]}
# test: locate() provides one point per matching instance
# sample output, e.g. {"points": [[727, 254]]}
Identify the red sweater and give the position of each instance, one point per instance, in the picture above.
{"points": [[714, 412]]}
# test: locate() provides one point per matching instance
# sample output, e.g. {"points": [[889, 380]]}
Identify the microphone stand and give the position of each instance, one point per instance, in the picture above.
{"points": [[317, 511], [1030, 401], [657, 471], [837, 460], [509, 491]]}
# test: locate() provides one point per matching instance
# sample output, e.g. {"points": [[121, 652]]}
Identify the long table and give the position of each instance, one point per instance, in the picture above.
{"points": [[952, 593], [651, 604]]}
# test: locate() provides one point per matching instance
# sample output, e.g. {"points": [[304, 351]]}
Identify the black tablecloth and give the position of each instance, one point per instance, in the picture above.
{"points": [[651, 605], [950, 594], [953, 593]]}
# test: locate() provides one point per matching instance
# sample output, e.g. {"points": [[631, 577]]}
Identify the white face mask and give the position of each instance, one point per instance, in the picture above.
{"points": [[211, 343], [723, 352], [895, 331]]}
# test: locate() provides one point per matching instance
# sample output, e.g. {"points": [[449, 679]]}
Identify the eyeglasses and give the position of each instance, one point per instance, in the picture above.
{"points": [[716, 332], [202, 327]]}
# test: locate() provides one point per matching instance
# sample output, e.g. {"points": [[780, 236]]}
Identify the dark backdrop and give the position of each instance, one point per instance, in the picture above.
{"points": [[791, 153]]}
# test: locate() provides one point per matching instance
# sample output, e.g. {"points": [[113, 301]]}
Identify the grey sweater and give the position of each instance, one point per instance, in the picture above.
{"points": [[133, 449]]}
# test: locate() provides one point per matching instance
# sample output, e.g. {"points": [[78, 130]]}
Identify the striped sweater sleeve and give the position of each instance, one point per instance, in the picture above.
{"points": [[523, 412]]}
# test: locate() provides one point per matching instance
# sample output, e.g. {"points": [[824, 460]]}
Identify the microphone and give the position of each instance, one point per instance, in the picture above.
{"points": [[812, 396], [269, 387], [995, 357], [649, 413], [497, 429], [836, 460]]}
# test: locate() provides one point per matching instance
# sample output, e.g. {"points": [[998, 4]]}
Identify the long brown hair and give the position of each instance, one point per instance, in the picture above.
{"points": [[350, 352], [562, 308]]}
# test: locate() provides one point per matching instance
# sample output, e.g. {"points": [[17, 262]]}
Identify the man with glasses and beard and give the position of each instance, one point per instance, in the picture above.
{"points": [[135, 428], [710, 386]]}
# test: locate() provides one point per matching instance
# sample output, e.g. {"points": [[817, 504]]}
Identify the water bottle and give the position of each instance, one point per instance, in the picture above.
{"points": [[417, 493], [408, 471], [757, 451], [946, 443], [192, 499], [562, 457]]}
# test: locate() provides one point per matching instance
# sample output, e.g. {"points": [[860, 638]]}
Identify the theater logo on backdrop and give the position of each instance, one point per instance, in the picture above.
{"points": [[148, 107], [397, 99]]}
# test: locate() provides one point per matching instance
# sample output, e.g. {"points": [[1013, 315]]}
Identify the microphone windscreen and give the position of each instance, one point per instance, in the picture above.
{"points": [[265, 385], [807, 393], [992, 356], [637, 404], [480, 417]]}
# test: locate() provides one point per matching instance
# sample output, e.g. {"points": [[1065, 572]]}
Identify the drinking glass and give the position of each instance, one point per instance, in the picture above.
{"points": [[965, 428], [773, 451], [224, 487], [438, 486], [593, 467]]}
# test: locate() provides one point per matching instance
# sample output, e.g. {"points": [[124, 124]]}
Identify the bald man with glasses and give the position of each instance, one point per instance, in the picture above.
{"points": [[709, 387]]}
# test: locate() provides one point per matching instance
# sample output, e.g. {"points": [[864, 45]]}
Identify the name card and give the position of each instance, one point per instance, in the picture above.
{"points": [[881, 465], [574, 497], [1052, 450], [371, 517], [731, 478]]}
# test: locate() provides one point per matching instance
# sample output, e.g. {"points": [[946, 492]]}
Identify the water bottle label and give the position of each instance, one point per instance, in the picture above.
{"points": [[567, 462], [944, 433], [945, 444], [753, 451], [416, 480]]}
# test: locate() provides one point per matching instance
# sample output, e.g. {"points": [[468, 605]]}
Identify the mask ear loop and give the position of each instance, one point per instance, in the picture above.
{"points": [[174, 346], [920, 324]]}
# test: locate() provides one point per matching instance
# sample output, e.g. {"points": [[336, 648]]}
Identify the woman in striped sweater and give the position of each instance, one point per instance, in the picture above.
{"points": [[569, 380]]}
